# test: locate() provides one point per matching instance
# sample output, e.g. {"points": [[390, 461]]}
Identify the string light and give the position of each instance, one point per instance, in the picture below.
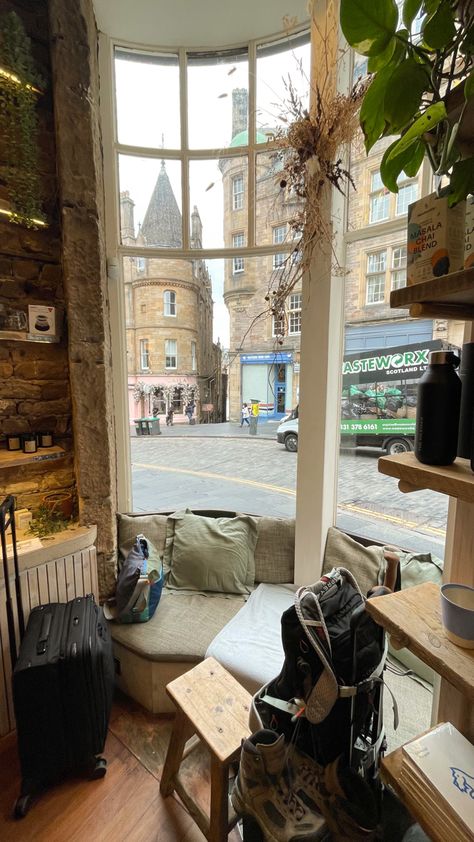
{"points": [[36, 221], [12, 78]]}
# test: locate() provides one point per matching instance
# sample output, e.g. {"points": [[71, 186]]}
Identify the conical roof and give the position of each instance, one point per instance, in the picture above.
{"points": [[162, 223]]}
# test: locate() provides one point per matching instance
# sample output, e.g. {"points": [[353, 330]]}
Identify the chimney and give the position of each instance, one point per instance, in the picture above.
{"points": [[127, 224], [239, 110]]}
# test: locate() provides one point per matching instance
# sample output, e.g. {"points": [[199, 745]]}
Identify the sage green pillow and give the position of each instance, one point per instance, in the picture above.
{"points": [[210, 554]]}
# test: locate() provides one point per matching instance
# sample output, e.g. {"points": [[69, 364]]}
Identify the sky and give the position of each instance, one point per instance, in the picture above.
{"points": [[148, 115]]}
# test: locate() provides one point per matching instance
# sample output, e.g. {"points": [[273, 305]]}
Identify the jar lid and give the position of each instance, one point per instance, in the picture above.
{"points": [[443, 358]]}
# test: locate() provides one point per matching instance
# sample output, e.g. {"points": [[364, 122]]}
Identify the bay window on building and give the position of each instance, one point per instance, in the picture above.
{"points": [[237, 192], [238, 263], [171, 353], [169, 301], [144, 355]]}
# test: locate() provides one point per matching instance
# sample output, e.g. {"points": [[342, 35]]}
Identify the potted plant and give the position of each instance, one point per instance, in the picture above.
{"points": [[417, 58]]}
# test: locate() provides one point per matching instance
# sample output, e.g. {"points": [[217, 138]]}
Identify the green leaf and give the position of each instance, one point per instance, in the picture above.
{"points": [[431, 117], [376, 63], [368, 26], [469, 86], [439, 29], [462, 181], [372, 118], [403, 95], [410, 11], [409, 161], [431, 6]]}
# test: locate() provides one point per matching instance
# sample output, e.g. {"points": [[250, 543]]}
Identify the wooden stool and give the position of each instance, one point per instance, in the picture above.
{"points": [[212, 705]]}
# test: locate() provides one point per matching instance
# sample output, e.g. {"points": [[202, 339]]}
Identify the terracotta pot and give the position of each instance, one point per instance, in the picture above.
{"points": [[60, 502]]}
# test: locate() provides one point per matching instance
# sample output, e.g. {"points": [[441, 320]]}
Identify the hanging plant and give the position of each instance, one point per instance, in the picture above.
{"points": [[416, 57], [141, 390], [20, 85]]}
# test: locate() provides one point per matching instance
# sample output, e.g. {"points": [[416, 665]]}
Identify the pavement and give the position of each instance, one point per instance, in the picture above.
{"points": [[221, 466]]}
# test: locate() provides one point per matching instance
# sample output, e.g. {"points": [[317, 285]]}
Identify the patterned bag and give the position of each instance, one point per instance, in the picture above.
{"points": [[139, 585]]}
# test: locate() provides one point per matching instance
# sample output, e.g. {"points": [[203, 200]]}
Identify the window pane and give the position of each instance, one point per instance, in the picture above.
{"points": [[150, 202], [237, 192], [169, 303], [376, 182], [171, 353], [375, 288], [217, 100], [276, 63], [379, 207], [399, 278], [376, 262], [399, 257], [279, 260], [211, 185], [407, 194], [147, 88], [276, 206]]}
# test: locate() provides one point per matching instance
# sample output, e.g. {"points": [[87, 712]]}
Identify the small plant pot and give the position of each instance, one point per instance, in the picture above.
{"points": [[59, 502]]}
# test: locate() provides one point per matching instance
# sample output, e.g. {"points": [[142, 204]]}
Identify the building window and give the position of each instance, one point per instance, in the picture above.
{"points": [[128, 305], [399, 267], [278, 325], [141, 264], [238, 263], [144, 355], [375, 277], [171, 353], [407, 193], [379, 199], [177, 401], [238, 192], [169, 302], [279, 236], [294, 313], [193, 357]]}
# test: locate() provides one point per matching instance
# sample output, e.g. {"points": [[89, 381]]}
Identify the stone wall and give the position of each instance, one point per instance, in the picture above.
{"points": [[34, 377]]}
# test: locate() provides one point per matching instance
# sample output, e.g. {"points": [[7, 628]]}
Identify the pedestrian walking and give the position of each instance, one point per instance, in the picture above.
{"points": [[244, 415], [169, 417], [189, 412]]}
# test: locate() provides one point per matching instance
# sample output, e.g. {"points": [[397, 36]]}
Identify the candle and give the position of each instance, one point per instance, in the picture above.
{"points": [[46, 439], [29, 443], [14, 442]]}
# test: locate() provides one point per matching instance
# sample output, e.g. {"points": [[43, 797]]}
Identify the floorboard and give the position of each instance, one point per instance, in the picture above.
{"points": [[125, 805]]}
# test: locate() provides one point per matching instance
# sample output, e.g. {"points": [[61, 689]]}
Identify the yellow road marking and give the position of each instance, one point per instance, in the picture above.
{"points": [[291, 492], [209, 475]]}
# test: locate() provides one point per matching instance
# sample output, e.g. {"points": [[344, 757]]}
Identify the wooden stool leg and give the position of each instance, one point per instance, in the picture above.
{"points": [[219, 819], [181, 732]]}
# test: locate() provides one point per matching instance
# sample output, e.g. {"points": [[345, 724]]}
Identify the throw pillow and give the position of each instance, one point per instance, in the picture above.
{"points": [[367, 564], [210, 554]]}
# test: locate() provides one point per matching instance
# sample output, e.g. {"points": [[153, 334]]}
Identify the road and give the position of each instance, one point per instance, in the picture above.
{"points": [[233, 471]]}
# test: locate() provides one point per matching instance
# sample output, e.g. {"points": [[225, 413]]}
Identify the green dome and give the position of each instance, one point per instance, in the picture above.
{"points": [[242, 139]]}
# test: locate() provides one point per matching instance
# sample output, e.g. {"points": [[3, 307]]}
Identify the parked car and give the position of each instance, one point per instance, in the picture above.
{"points": [[287, 433]]}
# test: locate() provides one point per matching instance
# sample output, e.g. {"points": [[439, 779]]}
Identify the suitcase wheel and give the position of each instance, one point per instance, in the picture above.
{"points": [[99, 769], [22, 805]]}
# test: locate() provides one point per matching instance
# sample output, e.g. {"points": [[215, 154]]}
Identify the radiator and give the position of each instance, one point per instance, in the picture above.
{"points": [[58, 580]]}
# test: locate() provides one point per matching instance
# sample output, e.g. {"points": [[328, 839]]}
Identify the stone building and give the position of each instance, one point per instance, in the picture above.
{"points": [[171, 358], [260, 368]]}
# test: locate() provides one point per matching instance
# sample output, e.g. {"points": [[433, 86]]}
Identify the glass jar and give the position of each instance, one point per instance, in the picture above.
{"points": [[46, 439], [29, 443], [14, 442]]}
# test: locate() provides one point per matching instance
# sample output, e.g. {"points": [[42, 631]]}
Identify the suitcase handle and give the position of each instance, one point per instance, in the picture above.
{"points": [[44, 634]]}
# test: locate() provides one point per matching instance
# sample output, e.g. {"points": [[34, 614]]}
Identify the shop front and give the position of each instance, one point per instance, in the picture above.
{"points": [[268, 377]]}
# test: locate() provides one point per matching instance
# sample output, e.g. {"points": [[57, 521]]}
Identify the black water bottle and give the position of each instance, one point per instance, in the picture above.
{"points": [[466, 373], [437, 414]]}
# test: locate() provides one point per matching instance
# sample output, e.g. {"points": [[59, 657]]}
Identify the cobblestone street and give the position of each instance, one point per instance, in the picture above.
{"points": [[222, 467]]}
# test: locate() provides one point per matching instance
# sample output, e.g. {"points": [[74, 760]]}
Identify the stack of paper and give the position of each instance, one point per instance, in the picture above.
{"points": [[438, 768]]}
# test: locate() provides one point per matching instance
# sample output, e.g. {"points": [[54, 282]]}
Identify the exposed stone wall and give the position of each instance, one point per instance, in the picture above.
{"points": [[34, 377], [78, 139]]}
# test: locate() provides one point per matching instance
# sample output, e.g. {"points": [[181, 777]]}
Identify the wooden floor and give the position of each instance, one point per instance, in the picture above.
{"points": [[125, 805]]}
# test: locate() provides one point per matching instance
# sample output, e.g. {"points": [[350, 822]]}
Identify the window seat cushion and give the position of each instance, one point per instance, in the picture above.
{"points": [[249, 646], [181, 629]]}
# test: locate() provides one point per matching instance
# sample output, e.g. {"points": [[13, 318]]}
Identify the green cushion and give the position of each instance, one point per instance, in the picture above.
{"points": [[210, 554]]}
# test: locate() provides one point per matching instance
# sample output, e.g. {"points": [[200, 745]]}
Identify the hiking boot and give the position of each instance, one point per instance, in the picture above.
{"points": [[345, 800], [262, 790]]}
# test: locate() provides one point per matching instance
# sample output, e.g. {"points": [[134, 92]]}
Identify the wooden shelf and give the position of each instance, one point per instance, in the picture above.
{"points": [[430, 813], [451, 296], [456, 480], [413, 619], [12, 458], [22, 336]]}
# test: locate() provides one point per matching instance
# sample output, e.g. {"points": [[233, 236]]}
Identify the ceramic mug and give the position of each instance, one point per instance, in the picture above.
{"points": [[457, 612]]}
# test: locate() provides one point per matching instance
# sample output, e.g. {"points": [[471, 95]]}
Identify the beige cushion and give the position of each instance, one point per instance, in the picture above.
{"points": [[182, 628], [153, 527], [367, 564], [210, 554], [275, 550]]}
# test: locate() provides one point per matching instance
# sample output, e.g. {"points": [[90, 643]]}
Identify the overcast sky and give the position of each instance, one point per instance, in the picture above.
{"points": [[148, 115]]}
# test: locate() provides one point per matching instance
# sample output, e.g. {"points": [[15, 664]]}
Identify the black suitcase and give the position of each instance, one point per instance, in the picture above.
{"points": [[63, 685]]}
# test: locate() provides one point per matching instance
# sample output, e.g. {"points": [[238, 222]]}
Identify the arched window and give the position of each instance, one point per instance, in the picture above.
{"points": [[169, 303]]}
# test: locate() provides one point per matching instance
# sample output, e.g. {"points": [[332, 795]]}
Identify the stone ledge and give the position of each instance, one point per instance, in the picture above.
{"points": [[56, 546]]}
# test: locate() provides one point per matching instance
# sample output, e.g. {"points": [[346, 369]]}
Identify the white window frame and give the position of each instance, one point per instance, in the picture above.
{"points": [[279, 235], [238, 263], [144, 355], [374, 275], [169, 303], [402, 185], [378, 194], [295, 306], [398, 266], [238, 192], [171, 353]]}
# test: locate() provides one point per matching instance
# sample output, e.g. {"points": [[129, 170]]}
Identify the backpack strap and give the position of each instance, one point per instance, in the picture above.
{"points": [[325, 692]]}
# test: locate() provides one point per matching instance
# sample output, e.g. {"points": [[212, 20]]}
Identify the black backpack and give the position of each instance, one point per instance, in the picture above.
{"points": [[328, 691]]}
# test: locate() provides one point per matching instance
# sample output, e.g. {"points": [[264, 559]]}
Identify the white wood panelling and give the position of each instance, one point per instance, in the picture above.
{"points": [[54, 581]]}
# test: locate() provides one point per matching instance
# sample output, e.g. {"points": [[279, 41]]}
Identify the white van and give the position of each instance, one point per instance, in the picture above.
{"points": [[287, 434]]}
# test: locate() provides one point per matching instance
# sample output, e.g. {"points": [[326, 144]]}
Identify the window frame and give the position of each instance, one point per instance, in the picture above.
{"points": [[169, 302], [371, 274], [144, 354], [375, 194], [295, 313], [238, 261], [238, 195], [170, 355]]}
